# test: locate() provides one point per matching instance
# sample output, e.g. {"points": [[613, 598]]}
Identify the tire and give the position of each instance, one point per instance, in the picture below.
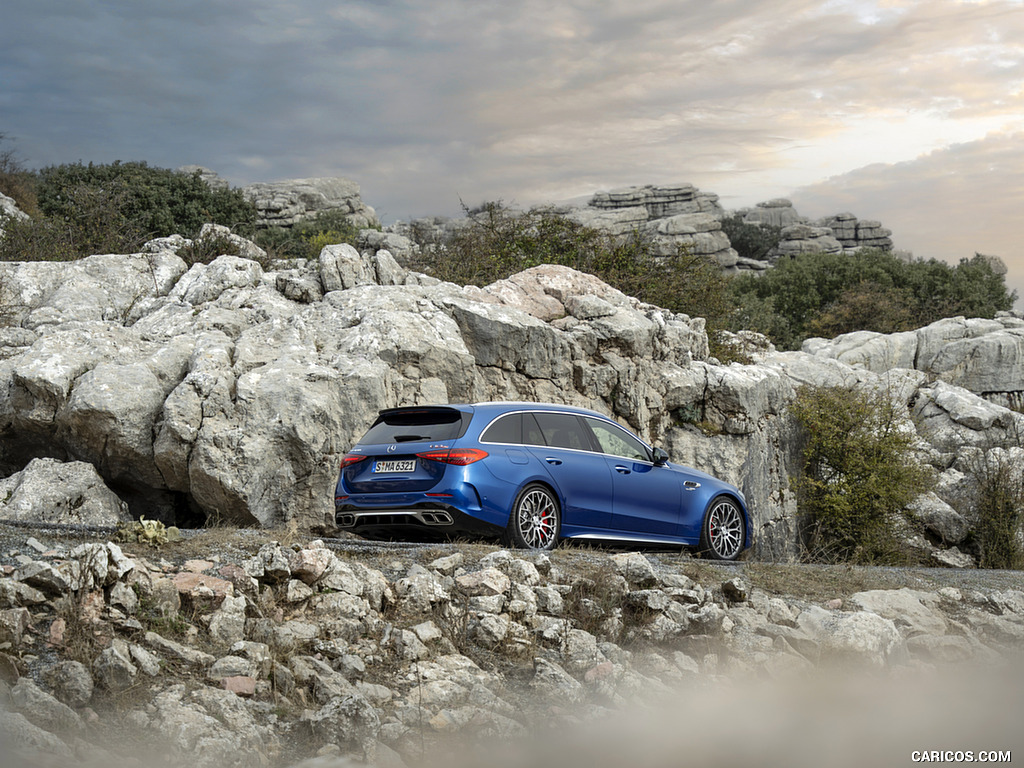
{"points": [[724, 530], [535, 520]]}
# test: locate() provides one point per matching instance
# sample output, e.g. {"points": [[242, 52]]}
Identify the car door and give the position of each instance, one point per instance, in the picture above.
{"points": [[646, 497], [581, 475]]}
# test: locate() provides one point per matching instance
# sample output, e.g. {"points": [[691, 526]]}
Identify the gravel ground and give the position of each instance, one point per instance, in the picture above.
{"points": [[812, 582]]}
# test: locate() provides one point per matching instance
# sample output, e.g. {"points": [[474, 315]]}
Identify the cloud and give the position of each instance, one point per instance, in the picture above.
{"points": [[426, 103], [948, 204]]}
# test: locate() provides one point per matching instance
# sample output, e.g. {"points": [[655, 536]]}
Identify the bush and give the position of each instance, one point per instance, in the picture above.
{"points": [[998, 509], [156, 201], [865, 306], [116, 208], [306, 239], [858, 475], [835, 293], [94, 222], [206, 249]]}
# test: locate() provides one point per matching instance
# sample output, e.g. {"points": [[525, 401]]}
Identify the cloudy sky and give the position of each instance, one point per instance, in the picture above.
{"points": [[906, 111]]}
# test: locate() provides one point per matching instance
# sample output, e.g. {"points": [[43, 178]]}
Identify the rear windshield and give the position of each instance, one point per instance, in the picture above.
{"points": [[416, 425]]}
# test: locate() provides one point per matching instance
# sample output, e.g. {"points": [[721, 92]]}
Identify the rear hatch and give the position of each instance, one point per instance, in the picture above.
{"points": [[407, 450]]}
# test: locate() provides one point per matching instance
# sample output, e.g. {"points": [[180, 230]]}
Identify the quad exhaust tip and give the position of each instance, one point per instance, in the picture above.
{"points": [[427, 517]]}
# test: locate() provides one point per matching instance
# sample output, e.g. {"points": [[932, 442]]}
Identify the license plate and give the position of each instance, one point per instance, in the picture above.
{"points": [[400, 465]]}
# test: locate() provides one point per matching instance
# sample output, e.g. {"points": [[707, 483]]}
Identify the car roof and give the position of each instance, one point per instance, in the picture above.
{"points": [[493, 407]]}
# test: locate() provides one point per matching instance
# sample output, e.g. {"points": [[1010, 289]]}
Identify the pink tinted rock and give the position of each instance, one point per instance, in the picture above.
{"points": [[241, 685], [199, 587]]}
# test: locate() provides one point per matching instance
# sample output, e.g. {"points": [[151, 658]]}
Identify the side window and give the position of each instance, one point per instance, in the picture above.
{"points": [[531, 431], [563, 430], [617, 442], [507, 429]]}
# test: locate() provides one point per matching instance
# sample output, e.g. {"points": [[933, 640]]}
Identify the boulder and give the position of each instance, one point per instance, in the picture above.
{"points": [[981, 355], [48, 491], [860, 638], [775, 213], [285, 203], [802, 238], [8, 207], [916, 611]]}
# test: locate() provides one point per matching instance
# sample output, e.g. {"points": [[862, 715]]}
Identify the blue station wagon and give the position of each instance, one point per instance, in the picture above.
{"points": [[531, 474]]}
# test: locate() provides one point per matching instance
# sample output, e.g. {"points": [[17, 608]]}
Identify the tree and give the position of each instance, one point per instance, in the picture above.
{"points": [[825, 293], [751, 241]]}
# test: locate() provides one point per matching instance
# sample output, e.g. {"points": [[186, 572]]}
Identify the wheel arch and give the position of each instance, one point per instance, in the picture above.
{"points": [[748, 527]]}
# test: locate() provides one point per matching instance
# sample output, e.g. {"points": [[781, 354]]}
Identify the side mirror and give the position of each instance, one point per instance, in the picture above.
{"points": [[660, 457]]}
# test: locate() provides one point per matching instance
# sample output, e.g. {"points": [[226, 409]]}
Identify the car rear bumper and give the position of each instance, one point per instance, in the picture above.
{"points": [[431, 519]]}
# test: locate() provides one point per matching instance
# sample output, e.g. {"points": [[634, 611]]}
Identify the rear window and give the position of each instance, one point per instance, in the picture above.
{"points": [[416, 425], [507, 429]]}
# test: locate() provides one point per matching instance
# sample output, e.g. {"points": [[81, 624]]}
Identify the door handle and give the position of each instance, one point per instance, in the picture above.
{"points": [[621, 469], [553, 460]]}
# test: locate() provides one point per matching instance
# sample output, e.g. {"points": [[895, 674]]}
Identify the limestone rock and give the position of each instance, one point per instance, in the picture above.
{"points": [[51, 491], [285, 203], [8, 207], [71, 682], [776, 213], [802, 238], [114, 671], [863, 637], [940, 518], [913, 609]]}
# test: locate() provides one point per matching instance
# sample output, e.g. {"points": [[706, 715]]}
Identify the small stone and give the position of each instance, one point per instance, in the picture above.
{"points": [[489, 581], [636, 569], [446, 565], [71, 682], [736, 590], [241, 685]]}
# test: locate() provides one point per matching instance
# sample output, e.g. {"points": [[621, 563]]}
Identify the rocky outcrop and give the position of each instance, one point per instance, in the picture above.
{"points": [[230, 391], [854, 234], [673, 216], [285, 203], [774, 213], [212, 178], [267, 655], [660, 202], [288, 202], [983, 356], [841, 233], [802, 238], [9, 210]]}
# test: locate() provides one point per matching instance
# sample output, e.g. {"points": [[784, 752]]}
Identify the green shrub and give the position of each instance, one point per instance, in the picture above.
{"points": [[306, 239], [998, 509], [115, 208], [156, 201], [858, 474], [206, 249], [834, 293], [93, 222], [865, 306]]}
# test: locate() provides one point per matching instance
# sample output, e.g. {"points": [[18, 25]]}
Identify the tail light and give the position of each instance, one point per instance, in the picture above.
{"points": [[352, 458], [460, 457]]}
